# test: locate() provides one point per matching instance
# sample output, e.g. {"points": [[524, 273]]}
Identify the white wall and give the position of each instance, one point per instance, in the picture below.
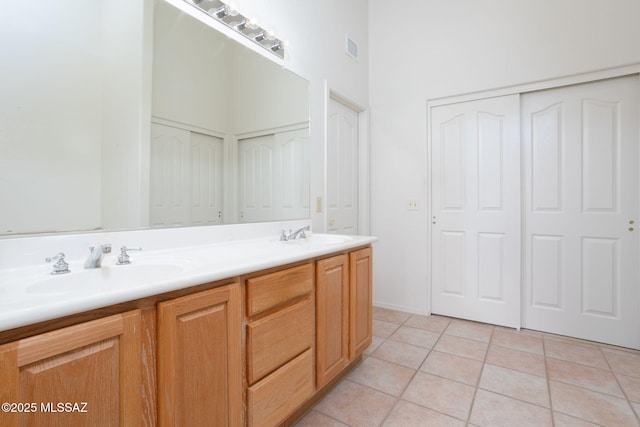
{"points": [[191, 71], [50, 122], [126, 100], [315, 31], [71, 82], [425, 49]]}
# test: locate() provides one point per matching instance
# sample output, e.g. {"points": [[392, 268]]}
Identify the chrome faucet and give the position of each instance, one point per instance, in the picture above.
{"points": [[299, 233], [61, 266], [95, 256]]}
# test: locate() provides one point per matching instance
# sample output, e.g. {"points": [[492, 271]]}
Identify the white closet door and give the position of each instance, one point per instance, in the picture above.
{"points": [[256, 170], [186, 177], [476, 210], [292, 148], [342, 169], [206, 179], [170, 179], [580, 158]]}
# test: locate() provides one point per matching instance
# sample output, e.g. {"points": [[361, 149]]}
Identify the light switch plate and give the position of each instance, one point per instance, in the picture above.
{"points": [[412, 205]]}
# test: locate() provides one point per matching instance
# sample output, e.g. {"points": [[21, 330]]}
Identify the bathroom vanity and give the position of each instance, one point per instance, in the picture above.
{"points": [[247, 332]]}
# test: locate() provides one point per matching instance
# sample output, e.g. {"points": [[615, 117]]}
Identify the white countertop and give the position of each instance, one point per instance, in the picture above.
{"points": [[31, 294]]}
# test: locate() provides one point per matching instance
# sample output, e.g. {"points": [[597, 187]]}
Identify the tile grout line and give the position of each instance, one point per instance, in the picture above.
{"points": [[615, 377], [492, 337], [546, 374], [415, 371], [399, 397], [477, 386]]}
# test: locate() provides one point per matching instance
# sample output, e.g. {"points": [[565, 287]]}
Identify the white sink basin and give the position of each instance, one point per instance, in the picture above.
{"points": [[104, 278]]}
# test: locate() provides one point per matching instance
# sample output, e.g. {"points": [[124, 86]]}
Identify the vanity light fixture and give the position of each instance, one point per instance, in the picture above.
{"points": [[241, 25], [249, 28]]}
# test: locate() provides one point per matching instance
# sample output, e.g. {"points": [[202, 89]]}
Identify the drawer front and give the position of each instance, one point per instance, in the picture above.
{"points": [[270, 290], [276, 397], [276, 339]]}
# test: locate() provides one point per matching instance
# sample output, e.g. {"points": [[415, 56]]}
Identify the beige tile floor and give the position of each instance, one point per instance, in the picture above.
{"points": [[440, 371]]}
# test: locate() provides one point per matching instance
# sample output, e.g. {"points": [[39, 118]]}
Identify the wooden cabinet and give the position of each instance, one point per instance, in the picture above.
{"points": [[83, 375], [183, 358], [344, 305], [199, 359], [280, 344], [276, 339], [271, 290], [273, 399], [332, 317], [360, 301]]}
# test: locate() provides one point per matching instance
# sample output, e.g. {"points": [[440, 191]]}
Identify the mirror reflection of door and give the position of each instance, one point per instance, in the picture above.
{"points": [[342, 169], [186, 177], [273, 183]]}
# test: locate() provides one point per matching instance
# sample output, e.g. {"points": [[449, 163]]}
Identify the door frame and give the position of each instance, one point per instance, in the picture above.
{"points": [[364, 195], [507, 90]]}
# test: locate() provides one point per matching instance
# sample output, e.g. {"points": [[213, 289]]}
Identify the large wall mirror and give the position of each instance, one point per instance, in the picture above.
{"points": [[123, 114]]}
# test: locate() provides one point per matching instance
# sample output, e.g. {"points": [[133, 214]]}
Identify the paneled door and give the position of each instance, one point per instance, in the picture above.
{"points": [[256, 169], [580, 160], [475, 160], [342, 169], [186, 177], [273, 180]]}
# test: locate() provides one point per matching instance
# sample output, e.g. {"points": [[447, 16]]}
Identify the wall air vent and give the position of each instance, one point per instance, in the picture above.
{"points": [[351, 48]]}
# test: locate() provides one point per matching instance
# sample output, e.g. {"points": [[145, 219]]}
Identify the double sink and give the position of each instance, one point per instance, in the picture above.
{"points": [[33, 294]]}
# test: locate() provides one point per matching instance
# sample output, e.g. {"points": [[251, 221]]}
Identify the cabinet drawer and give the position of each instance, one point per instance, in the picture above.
{"points": [[275, 398], [276, 339], [270, 290]]}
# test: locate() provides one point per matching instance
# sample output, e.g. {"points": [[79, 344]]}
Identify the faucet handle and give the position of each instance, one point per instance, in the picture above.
{"points": [[123, 259], [106, 248], [61, 266]]}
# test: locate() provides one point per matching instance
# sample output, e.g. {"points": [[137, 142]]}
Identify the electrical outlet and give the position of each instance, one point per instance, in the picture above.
{"points": [[412, 205]]}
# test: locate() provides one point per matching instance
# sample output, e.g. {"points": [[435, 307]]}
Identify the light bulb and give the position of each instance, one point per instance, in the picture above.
{"points": [[252, 23], [268, 34]]}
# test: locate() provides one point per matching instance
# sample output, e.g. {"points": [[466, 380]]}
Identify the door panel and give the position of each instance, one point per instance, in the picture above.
{"points": [[273, 183], [293, 177], [342, 169], [476, 210], [580, 159], [169, 176], [256, 168], [206, 179], [186, 177]]}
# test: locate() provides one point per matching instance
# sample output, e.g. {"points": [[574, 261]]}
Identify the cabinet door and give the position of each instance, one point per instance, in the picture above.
{"points": [[84, 375], [332, 318], [360, 301], [199, 372]]}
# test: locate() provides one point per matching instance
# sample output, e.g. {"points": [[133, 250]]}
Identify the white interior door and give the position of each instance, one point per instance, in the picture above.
{"points": [[206, 179], [170, 195], [292, 147], [273, 183], [580, 158], [342, 169], [186, 177], [476, 210], [256, 169]]}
